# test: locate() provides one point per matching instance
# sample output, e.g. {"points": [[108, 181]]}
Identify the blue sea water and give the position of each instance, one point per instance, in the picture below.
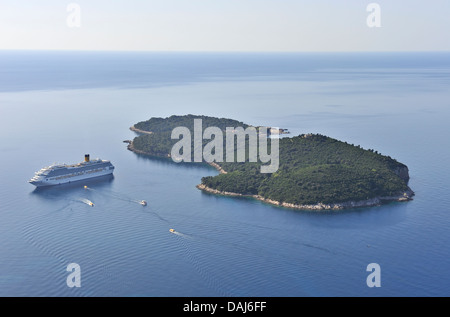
{"points": [[57, 106]]}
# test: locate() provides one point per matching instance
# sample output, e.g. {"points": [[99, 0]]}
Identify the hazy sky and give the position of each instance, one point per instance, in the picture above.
{"points": [[225, 25]]}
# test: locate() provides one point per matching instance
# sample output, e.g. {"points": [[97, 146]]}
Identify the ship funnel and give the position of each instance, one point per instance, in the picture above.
{"points": [[86, 157]]}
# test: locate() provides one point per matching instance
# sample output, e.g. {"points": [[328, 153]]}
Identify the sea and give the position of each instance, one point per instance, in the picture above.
{"points": [[57, 106]]}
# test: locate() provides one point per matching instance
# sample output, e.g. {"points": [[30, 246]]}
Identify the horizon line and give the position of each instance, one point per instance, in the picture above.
{"points": [[218, 52]]}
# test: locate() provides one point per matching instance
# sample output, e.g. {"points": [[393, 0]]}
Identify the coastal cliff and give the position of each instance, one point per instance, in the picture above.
{"points": [[402, 172]]}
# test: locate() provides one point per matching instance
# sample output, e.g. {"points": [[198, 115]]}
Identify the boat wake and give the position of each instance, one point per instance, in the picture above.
{"points": [[118, 196], [187, 236], [87, 202]]}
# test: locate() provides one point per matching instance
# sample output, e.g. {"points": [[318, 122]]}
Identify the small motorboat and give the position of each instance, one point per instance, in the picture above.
{"points": [[143, 203]]}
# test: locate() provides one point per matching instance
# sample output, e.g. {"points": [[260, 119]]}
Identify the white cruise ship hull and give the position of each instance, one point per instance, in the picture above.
{"points": [[64, 174], [55, 181]]}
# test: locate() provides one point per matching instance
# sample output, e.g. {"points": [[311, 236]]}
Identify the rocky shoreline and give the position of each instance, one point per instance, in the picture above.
{"points": [[406, 196], [217, 167], [140, 131]]}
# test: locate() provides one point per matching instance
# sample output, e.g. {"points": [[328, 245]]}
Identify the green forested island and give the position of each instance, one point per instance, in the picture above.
{"points": [[315, 171]]}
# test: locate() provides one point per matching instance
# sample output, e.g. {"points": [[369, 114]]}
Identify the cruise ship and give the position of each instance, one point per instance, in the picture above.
{"points": [[58, 174]]}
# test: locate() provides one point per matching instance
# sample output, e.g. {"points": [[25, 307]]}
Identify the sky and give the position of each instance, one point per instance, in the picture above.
{"points": [[225, 25]]}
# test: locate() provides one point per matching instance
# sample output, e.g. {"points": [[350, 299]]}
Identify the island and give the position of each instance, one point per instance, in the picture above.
{"points": [[315, 172]]}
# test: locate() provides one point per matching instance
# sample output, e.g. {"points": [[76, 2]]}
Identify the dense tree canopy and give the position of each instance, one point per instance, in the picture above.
{"points": [[168, 124]]}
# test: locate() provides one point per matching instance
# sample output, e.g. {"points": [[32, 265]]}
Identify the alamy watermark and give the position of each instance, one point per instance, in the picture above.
{"points": [[374, 278], [74, 278], [214, 150], [74, 18], [374, 18]]}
